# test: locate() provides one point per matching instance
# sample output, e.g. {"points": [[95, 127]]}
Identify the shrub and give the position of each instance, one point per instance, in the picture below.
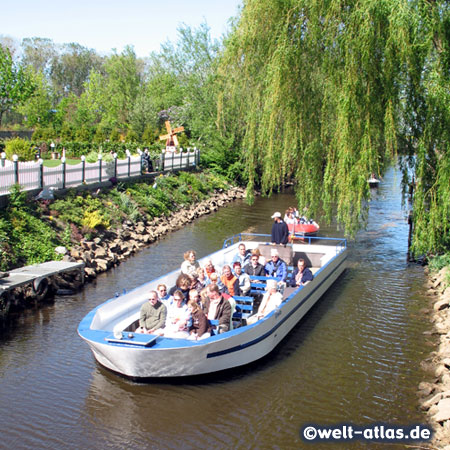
{"points": [[93, 219], [438, 262], [20, 147]]}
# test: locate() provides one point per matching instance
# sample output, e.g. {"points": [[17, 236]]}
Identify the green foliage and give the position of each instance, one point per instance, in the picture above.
{"points": [[43, 133], [126, 205], [37, 109], [438, 262], [327, 92], [29, 232], [132, 136], [24, 237], [8, 258], [16, 85], [93, 219], [20, 147]]}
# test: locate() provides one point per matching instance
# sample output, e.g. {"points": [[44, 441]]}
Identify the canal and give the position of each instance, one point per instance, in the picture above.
{"points": [[354, 358]]}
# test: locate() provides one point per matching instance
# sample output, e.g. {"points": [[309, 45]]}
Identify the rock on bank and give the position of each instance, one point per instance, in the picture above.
{"points": [[435, 394], [113, 247]]}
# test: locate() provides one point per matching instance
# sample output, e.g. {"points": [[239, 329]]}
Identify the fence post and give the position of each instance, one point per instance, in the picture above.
{"points": [[100, 167], [83, 169], [163, 160], [3, 155], [16, 169], [63, 164], [115, 164], [189, 154], [127, 152], [41, 173], [141, 154], [173, 158]]}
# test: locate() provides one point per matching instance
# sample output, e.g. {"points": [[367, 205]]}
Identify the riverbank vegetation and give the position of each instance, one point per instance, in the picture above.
{"points": [[322, 93], [30, 230]]}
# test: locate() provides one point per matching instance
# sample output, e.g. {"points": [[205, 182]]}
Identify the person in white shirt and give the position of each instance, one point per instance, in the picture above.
{"points": [[178, 318], [272, 299], [244, 279], [190, 264]]}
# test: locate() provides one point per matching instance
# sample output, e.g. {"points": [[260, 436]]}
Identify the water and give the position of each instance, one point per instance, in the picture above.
{"points": [[354, 358]]}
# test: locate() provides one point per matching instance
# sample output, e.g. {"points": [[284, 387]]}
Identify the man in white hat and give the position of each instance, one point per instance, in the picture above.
{"points": [[280, 231], [272, 299], [276, 267]]}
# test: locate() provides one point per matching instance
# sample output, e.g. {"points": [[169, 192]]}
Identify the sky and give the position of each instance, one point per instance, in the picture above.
{"points": [[104, 25]]}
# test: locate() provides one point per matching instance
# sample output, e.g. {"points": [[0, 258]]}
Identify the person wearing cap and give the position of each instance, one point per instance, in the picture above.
{"points": [[276, 267], [280, 231], [272, 299]]}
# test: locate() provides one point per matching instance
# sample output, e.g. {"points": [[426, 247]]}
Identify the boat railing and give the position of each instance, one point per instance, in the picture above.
{"points": [[240, 237], [339, 243]]}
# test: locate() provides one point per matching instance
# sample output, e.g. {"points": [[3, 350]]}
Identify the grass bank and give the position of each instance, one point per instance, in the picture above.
{"points": [[30, 230]]}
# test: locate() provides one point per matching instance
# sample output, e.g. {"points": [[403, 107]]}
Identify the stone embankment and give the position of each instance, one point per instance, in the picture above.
{"points": [[435, 394], [101, 254]]}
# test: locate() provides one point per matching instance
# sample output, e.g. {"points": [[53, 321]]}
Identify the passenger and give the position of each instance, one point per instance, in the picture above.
{"points": [[163, 294], [190, 264], [243, 278], [209, 268], [153, 315], [290, 218], [218, 308], [194, 295], [200, 327], [214, 279], [203, 302], [178, 318], [255, 268], [230, 281], [302, 275], [202, 279], [276, 267], [242, 256], [280, 231], [272, 299], [194, 282], [182, 284]]}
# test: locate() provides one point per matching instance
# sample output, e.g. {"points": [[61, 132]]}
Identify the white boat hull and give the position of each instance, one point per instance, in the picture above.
{"points": [[179, 357]]}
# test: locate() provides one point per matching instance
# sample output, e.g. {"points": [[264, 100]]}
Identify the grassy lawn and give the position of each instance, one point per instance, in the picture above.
{"points": [[57, 162]]}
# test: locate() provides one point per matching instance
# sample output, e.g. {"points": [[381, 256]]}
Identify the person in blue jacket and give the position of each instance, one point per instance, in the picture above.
{"points": [[276, 267], [280, 231], [301, 274]]}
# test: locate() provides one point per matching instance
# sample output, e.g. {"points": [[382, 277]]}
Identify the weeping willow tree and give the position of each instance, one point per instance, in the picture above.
{"points": [[327, 92]]}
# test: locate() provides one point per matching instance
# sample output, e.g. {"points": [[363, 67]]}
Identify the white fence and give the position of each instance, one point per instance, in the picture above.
{"points": [[34, 175]]}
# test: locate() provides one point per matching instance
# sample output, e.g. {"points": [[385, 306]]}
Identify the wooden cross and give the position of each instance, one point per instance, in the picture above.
{"points": [[171, 136]]}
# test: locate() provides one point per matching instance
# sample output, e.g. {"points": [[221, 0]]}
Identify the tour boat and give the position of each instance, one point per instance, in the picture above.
{"points": [[110, 328]]}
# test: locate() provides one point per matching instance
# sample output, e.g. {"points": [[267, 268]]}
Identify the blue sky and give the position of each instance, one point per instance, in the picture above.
{"points": [[112, 24]]}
